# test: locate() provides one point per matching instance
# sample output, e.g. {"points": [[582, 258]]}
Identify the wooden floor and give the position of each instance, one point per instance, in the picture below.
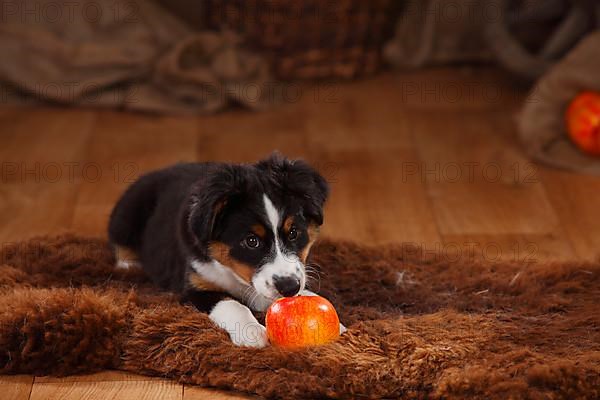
{"points": [[429, 158]]}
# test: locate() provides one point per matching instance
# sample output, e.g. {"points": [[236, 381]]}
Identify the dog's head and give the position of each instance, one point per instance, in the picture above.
{"points": [[259, 221]]}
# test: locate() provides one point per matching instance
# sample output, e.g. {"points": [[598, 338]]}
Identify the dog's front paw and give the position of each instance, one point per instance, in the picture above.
{"points": [[252, 335], [238, 321]]}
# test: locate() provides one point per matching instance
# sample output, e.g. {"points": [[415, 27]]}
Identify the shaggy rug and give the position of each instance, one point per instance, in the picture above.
{"points": [[419, 327]]}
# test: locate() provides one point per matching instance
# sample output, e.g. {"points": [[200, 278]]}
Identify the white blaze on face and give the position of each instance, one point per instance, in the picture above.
{"points": [[282, 265]]}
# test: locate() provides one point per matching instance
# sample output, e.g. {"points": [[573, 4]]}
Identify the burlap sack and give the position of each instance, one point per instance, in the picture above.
{"points": [[542, 121], [431, 32], [121, 54]]}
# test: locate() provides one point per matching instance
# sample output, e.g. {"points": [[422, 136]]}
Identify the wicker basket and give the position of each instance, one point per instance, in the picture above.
{"points": [[311, 39]]}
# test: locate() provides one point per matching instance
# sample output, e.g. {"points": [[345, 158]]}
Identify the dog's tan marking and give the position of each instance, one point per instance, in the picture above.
{"points": [[259, 230], [287, 224], [125, 254], [196, 281], [126, 258], [313, 233], [221, 252]]}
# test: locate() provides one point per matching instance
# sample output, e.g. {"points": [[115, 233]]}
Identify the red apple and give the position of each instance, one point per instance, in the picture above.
{"points": [[583, 122], [300, 321]]}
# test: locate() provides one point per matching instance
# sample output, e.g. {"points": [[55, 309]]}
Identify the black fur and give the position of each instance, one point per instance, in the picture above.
{"points": [[203, 301], [296, 182], [171, 215]]}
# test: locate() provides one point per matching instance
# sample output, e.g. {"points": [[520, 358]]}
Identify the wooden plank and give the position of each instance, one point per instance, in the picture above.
{"points": [[17, 387], [114, 390], [367, 115], [123, 147], [41, 162], [370, 202], [575, 198], [477, 183], [198, 393], [248, 137], [346, 116], [104, 376], [190, 392], [364, 143]]}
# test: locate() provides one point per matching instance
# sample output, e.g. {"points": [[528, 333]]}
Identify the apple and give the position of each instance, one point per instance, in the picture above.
{"points": [[299, 321], [583, 122]]}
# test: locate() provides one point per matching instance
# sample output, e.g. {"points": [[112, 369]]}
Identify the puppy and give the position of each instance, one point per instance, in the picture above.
{"points": [[228, 238]]}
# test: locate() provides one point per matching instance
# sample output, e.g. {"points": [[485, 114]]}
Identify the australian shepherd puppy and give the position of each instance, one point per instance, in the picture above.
{"points": [[229, 238]]}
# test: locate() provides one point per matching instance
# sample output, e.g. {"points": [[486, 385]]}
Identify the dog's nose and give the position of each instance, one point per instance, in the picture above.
{"points": [[287, 286]]}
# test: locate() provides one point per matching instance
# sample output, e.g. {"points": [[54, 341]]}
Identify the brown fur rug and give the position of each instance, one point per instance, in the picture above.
{"points": [[418, 328]]}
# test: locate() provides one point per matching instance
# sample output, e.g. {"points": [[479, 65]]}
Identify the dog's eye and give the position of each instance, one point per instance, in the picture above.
{"points": [[293, 234], [252, 241]]}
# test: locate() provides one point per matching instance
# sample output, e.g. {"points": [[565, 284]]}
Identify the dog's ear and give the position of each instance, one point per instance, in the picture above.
{"points": [[209, 199], [298, 179]]}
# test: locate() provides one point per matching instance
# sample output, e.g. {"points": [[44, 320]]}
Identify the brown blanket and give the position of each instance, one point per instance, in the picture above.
{"points": [[418, 328]]}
